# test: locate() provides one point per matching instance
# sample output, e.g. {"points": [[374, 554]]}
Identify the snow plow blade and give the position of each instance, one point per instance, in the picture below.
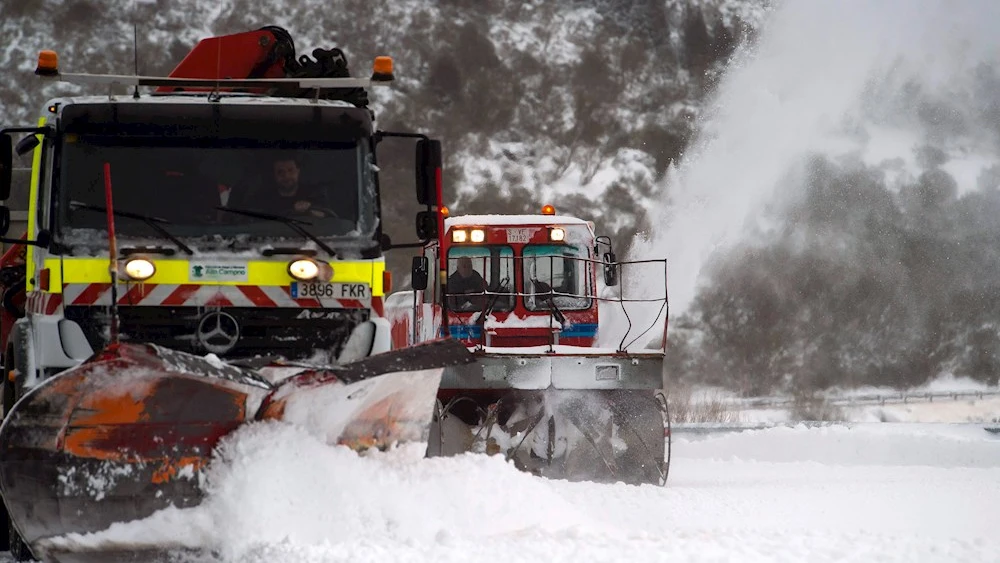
{"points": [[127, 432], [566, 415]]}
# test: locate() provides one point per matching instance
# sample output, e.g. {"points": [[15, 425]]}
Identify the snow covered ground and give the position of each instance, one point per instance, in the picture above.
{"points": [[925, 487], [869, 492], [946, 398]]}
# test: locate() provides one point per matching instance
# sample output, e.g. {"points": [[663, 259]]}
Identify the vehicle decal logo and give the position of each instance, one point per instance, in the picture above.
{"points": [[218, 272], [218, 332]]}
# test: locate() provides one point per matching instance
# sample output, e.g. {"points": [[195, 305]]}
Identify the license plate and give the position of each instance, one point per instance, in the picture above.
{"points": [[314, 290]]}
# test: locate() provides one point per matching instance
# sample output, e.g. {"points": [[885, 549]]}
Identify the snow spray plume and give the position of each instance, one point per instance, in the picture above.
{"points": [[833, 78]]}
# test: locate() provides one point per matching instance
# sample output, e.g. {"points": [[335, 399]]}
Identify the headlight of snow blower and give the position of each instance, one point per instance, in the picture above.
{"points": [[477, 235], [459, 235], [139, 269], [303, 269], [557, 234]]}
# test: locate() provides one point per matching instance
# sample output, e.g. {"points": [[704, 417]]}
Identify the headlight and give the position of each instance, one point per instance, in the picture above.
{"points": [[557, 234], [460, 235], [303, 269], [139, 269], [477, 235]]}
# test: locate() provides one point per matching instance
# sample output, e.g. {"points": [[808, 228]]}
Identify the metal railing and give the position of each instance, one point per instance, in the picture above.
{"points": [[900, 397], [504, 287]]}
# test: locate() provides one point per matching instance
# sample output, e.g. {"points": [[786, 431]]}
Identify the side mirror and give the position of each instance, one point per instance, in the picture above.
{"points": [[6, 167], [43, 239], [4, 219], [419, 273], [428, 168], [427, 225], [610, 269], [27, 144]]}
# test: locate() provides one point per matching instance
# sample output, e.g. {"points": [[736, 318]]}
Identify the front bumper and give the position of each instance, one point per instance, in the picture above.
{"points": [[558, 371], [292, 333]]}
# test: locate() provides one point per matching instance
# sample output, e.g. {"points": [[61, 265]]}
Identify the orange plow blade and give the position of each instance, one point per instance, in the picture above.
{"points": [[128, 432]]}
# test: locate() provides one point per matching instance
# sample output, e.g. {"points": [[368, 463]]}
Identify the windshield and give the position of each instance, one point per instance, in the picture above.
{"points": [[328, 185], [561, 269], [479, 275]]}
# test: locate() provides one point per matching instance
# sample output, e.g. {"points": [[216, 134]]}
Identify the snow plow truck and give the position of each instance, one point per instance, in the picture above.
{"points": [[199, 255], [525, 294]]}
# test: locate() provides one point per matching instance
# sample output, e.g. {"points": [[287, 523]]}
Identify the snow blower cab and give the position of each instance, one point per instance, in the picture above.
{"points": [[234, 211], [527, 295]]}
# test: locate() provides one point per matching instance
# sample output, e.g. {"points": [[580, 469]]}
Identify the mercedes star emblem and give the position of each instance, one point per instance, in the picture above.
{"points": [[218, 332]]}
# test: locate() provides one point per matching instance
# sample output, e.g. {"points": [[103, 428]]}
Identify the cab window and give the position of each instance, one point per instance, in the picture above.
{"points": [[559, 273], [480, 277]]}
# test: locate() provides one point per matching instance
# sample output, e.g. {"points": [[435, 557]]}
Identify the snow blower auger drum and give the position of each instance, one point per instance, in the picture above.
{"points": [[547, 427]]}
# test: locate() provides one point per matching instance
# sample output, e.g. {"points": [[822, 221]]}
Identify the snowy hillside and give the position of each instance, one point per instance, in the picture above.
{"points": [[835, 220], [580, 103]]}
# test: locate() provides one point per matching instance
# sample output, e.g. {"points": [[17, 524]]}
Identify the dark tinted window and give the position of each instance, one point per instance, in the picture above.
{"points": [[184, 180], [480, 275]]}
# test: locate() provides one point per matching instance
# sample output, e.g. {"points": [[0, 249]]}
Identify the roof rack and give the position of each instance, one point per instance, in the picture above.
{"points": [[210, 83]]}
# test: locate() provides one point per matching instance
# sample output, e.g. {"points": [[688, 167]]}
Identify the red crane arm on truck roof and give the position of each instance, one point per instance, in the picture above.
{"points": [[269, 54], [252, 54]]}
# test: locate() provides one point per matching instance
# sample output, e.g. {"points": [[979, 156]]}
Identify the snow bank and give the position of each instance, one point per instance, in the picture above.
{"points": [[877, 492], [273, 484], [882, 444], [280, 485]]}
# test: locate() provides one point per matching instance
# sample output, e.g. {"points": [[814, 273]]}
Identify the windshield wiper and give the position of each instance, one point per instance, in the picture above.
{"points": [[153, 222], [491, 303], [294, 224], [548, 299]]}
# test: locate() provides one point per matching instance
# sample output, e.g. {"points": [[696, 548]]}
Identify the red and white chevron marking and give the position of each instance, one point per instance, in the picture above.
{"points": [[42, 303], [191, 295]]}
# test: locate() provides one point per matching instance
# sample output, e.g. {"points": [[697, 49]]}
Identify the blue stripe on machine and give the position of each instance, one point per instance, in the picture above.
{"points": [[579, 330], [465, 332]]}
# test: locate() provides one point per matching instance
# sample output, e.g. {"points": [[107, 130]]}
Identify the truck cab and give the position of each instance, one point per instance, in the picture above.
{"points": [[511, 281], [233, 210]]}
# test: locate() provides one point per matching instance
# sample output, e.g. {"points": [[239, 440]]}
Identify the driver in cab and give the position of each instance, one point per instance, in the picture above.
{"points": [[465, 280], [288, 196]]}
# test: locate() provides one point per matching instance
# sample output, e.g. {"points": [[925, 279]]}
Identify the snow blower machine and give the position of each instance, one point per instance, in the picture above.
{"points": [[523, 293], [201, 254]]}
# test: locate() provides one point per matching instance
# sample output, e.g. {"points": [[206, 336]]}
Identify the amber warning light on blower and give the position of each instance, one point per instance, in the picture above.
{"points": [[382, 69], [548, 210], [48, 64]]}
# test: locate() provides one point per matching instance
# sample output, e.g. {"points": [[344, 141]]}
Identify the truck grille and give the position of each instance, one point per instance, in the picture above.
{"points": [[294, 334]]}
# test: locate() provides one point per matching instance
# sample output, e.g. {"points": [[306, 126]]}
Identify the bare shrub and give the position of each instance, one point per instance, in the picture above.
{"points": [[686, 406], [814, 407]]}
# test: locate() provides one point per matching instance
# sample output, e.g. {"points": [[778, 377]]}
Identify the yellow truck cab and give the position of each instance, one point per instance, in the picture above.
{"points": [[239, 217]]}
